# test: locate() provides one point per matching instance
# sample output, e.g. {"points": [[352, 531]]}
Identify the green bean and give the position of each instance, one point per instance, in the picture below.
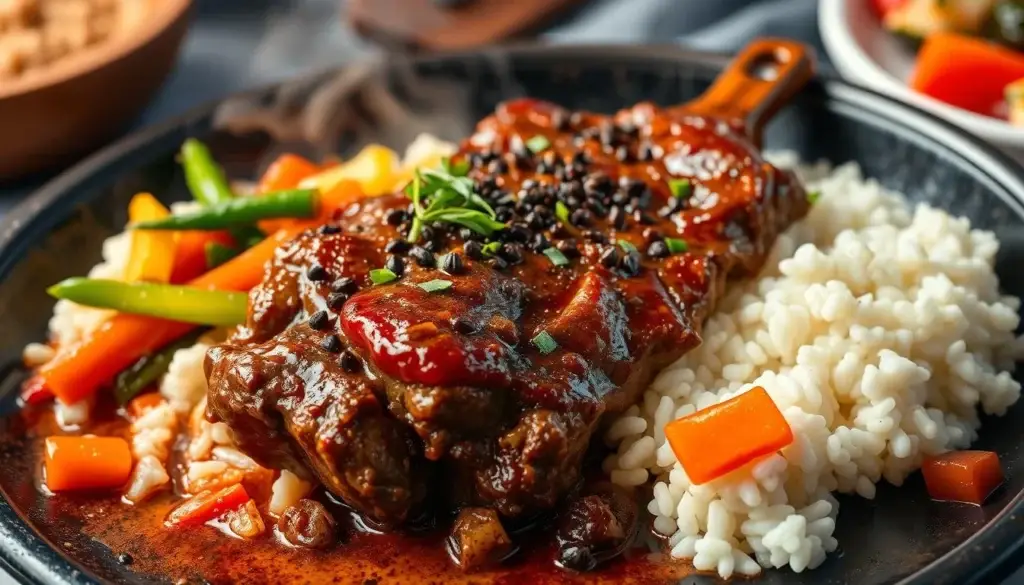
{"points": [[298, 203], [217, 254], [148, 369], [176, 303], [209, 186], [204, 177]]}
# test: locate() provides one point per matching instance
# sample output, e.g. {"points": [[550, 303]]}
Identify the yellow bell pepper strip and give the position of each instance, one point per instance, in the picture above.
{"points": [[184, 304], [152, 252], [298, 203], [722, 438], [78, 463], [373, 168]]}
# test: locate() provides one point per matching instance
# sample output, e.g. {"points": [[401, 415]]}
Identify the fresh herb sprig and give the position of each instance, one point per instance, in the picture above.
{"points": [[446, 195]]}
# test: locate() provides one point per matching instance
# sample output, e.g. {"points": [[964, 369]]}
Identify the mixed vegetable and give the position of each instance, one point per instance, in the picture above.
{"points": [[972, 51]]}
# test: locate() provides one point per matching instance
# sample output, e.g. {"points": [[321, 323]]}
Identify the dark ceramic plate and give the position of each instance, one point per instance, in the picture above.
{"points": [[899, 537]]}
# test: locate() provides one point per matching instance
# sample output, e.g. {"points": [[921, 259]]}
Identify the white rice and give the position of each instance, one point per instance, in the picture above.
{"points": [[878, 330], [287, 490], [184, 385]]}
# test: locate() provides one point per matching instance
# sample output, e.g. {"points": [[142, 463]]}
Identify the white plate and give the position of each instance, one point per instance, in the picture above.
{"points": [[865, 53]]}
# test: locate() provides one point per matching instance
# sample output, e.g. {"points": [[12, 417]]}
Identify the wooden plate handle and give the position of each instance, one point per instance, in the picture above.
{"points": [[765, 75]]}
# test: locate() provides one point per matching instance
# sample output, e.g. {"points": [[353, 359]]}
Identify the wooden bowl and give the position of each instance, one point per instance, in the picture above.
{"points": [[53, 115]]}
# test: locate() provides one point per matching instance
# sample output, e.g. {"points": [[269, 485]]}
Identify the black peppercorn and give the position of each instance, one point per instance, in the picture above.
{"points": [[344, 285], [422, 256], [473, 249], [498, 263], [318, 320], [657, 249], [316, 273], [349, 362], [336, 300], [630, 264], [395, 264], [568, 247], [610, 257], [452, 263], [330, 229], [397, 246], [395, 217], [331, 343], [580, 218], [125, 559]]}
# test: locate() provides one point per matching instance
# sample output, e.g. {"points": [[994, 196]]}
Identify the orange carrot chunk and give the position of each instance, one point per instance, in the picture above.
{"points": [[77, 463], [962, 476], [208, 506], [286, 172], [722, 438]]}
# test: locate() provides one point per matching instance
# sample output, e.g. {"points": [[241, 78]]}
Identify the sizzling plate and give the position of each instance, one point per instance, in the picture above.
{"points": [[899, 537]]}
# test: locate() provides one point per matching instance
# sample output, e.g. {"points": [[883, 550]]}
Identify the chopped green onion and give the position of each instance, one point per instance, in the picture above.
{"points": [[676, 246], [538, 143], [382, 276], [456, 169], [561, 212], [491, 248], [556, 256], [173, 302], [544, 342], [436, 285], [680, 187], [628, 247], [813, 197]]}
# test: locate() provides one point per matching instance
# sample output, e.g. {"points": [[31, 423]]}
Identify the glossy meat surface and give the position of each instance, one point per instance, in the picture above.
{"points": [[451, 384]]}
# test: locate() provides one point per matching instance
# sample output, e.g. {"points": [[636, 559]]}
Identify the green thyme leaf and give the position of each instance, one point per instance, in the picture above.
{"points": [[491, 248], [436, 285]]}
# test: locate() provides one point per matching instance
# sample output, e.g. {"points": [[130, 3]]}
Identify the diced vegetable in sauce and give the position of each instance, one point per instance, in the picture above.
{"points": [[77, 463], [962, 476], [719, 439], [208, 506]]}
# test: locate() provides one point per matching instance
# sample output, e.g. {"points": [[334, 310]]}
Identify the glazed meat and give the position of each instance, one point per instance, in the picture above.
{"points": [[621, 233]]}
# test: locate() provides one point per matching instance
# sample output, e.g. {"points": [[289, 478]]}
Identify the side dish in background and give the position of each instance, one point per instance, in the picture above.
{"points": [[972, 51], [37, 33]]}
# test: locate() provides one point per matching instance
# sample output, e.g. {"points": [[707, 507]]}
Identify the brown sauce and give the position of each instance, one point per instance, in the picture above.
{"points": [[76, 522]]}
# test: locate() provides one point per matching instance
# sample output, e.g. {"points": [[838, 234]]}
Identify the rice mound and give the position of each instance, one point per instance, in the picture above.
{"points": [[878, 330]]}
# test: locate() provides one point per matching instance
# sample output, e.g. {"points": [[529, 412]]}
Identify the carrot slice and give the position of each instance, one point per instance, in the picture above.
{"points": [[286, 172], [722, 438], [962, 476], [966, 72], [143, 403], [190, 257], [208, 506], [75, 463], [77, 372]]}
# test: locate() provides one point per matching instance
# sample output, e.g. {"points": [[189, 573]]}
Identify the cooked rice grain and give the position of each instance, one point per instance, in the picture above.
{"points": [[878, 330]]}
